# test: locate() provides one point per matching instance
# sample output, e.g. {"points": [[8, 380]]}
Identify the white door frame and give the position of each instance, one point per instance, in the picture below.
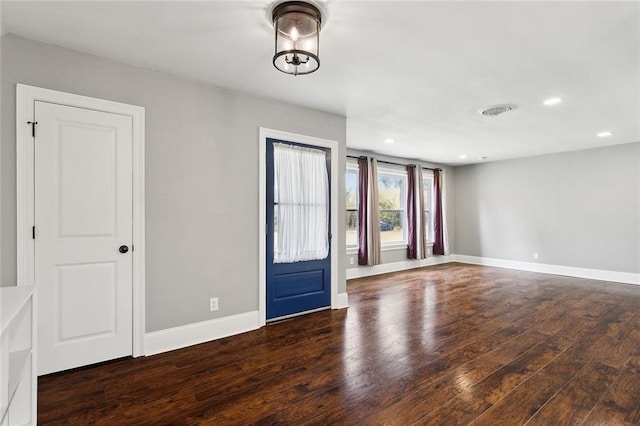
{"points": [[25, 187], [262, 200]]}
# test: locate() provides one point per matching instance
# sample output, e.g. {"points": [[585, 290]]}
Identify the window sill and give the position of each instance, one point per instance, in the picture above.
{"points": [[390, 247]]}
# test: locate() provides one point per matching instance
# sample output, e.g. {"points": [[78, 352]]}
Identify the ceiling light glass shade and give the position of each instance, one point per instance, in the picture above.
{"points": [[297, 29]]}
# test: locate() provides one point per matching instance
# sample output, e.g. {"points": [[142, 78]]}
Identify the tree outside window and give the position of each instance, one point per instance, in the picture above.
{"points": [[392, 194], [352, 207]]}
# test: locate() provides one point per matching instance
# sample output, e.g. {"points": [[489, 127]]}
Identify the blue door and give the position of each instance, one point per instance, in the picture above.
{"points": [[295, 286]]}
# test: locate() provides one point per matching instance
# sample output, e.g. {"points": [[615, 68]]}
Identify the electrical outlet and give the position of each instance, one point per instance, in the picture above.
{"points": [[535, 256], [351, 260], [213, 304]]}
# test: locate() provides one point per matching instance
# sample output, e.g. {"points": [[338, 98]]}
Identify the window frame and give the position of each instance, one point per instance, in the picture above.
{"points": [[427, 177], [352, 167], [402, 173]]}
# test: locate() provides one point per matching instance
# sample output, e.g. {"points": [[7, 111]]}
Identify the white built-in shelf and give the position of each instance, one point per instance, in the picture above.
{"points": [[18, 361], [12, 300], [18, 385]]}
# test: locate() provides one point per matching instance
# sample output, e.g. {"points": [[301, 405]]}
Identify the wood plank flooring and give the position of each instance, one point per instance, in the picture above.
{"points": [[450, 344]]}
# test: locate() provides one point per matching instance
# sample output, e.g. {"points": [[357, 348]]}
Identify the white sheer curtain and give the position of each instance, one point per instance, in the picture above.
{"points": [[301, 194]]}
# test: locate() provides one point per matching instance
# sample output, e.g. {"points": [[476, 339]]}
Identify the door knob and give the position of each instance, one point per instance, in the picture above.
{"points": [[123, 249]]}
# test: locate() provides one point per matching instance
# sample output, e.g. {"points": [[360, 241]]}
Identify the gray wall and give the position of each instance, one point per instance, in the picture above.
{"points": [[201, 175], [1, 239], [577, 209], [400, 254], [1, 121]]}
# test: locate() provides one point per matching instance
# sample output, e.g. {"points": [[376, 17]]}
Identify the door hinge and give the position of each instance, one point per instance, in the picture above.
{"points": [[132, 247], [33, 127], [33, 232]]}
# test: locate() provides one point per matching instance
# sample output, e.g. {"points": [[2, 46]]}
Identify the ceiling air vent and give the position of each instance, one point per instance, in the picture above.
{"points": [[496, 110]]}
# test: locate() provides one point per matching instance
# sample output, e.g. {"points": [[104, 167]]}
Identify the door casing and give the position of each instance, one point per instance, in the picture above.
{"points": [[262, 200], [25, 187]]}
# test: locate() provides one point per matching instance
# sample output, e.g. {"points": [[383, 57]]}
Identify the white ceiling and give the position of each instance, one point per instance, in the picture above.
{"points": [[417, 72]]}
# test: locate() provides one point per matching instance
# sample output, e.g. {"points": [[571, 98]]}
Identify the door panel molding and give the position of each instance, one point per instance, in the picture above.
{"points": [[265, 134], [25, 187]]}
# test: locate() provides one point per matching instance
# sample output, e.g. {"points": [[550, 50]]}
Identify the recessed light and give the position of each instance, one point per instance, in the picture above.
{"points": [[389, 141], [604, 134], [552, 101], [462, 156]]}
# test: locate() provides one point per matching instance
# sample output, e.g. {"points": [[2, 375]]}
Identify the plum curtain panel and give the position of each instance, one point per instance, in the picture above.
{"points": [[363, 211], [412, 216], [440, 245], [301, 195], [416, 224]]}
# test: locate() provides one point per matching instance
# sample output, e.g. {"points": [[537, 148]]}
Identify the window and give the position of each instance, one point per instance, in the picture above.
{"points": [[392, 198], [427, 188], [352, 204]]}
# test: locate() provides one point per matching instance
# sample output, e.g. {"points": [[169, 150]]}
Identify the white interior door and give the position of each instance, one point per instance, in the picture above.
{"points": [[83, 223]]}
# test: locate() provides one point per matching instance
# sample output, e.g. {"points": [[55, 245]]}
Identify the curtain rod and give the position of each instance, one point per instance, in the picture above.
{"points": [[389, 162]]}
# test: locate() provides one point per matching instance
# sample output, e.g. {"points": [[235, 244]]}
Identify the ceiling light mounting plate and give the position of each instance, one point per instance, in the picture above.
{"points": [[320, 5]]}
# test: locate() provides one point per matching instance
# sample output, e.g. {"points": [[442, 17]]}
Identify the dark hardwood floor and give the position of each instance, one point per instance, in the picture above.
{"points": [[450, 344]]}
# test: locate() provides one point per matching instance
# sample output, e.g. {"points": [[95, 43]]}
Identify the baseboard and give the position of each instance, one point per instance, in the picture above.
{"points": [[342, 301], [367, 271], [571, 271], [192, 334]]}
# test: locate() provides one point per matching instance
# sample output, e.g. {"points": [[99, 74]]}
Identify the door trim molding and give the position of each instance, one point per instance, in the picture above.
{"points": [[26, 96], [262, 225]]}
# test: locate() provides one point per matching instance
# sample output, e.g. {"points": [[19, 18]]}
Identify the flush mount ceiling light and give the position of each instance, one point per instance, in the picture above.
{"points": [[552, 101], [462, 156], [297, 34], [604, 134], [389, 140]]}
